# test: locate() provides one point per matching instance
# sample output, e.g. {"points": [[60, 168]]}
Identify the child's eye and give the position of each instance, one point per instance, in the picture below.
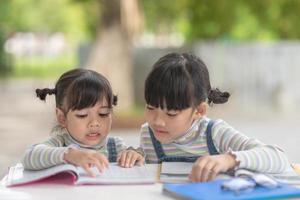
{"points": [[104, 115], [172, 113], [149, 107], [81, 116]]}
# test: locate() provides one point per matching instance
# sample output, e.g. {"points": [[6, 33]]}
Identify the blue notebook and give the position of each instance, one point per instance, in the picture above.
{"points": [[213, 190]]}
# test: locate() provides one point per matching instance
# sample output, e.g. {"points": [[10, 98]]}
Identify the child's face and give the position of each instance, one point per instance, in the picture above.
{"points": [[169, 125], [89, 125]]}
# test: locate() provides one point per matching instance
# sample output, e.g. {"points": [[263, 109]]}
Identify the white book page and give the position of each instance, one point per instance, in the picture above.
{"points": [[175, 172], [117, 175], [178, 172], [17, 175], [176, 168]]}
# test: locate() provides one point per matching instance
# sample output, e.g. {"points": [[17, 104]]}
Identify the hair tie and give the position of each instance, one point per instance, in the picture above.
{"points": [[218, 97], [42, 93]]}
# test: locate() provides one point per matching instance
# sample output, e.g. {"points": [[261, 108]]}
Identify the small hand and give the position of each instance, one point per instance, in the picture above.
{"points": [[206, 168], [128, 158], [86, 159]]}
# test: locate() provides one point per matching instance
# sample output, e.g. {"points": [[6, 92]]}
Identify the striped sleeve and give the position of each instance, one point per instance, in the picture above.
{"points": [[120, 145], [44, 155], [250, 153], [147, 145]]}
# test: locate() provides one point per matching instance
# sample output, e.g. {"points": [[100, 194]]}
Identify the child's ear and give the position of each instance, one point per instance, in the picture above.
{"points": [[201, 110], [61, 118]]}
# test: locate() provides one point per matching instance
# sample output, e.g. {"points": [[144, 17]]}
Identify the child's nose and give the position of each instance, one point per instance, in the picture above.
{"points": [[94, 123], [158, 121]]}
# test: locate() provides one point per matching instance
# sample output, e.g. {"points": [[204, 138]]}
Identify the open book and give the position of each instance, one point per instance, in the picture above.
{"points": [[113, 175], [177, 172]]}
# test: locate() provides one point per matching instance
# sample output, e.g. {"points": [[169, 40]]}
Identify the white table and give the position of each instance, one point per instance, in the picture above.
{"points": [[45, 191]]}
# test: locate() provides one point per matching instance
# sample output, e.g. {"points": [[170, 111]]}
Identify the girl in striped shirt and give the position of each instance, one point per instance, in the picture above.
{"points": [[84, 102], [177, 92]]}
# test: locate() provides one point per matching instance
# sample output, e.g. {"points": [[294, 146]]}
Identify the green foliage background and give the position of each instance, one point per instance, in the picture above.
{"points": [[223, 20], [237, 20]]}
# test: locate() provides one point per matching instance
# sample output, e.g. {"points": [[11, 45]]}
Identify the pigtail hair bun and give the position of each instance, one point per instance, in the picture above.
{"points": [[217, 97], [42, 93], [115, 100]]}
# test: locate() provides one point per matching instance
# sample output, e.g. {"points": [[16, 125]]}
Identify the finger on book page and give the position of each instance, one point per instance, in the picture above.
{"points": [[88, 170], [207, 171], [215, 171], [197, 170], [140, 161], [104, 161], [129, 159], [100, 166], [133, 159], [122, 159]]}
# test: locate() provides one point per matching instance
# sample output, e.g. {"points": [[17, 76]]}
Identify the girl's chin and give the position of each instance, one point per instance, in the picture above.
{"points": [[94, 141], [164, 140], [91, 143]]}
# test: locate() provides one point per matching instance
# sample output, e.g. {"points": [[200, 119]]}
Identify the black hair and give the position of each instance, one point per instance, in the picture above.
{"points": [[79, 88], [179, 81]]}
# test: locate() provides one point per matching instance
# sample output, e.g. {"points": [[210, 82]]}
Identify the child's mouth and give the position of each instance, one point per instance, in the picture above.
{"points": [[93, 136], [161, 132]]}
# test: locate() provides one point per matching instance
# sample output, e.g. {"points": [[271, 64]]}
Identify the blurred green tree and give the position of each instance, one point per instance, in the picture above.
{"points": [[103, 20], [4, 7], [46, 16], [4, 65], [225, 20]]}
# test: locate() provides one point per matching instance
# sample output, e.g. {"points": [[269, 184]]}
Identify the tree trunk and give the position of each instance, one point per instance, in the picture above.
{"points": [[112, 52]]}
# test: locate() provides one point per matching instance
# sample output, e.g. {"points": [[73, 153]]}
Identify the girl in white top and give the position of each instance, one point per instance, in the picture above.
{"points": [[84, 102], [177, 92]]}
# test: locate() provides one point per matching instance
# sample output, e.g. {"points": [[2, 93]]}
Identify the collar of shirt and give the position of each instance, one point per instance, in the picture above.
{"points": [[69, 140], [192, 133]]}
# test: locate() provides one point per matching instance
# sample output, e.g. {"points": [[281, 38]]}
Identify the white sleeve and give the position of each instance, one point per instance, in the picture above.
{"points": [[250, 153], [44, 155]]}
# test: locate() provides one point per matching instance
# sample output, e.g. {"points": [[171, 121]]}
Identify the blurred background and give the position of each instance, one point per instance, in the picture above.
{"points": [[252, 50]]}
